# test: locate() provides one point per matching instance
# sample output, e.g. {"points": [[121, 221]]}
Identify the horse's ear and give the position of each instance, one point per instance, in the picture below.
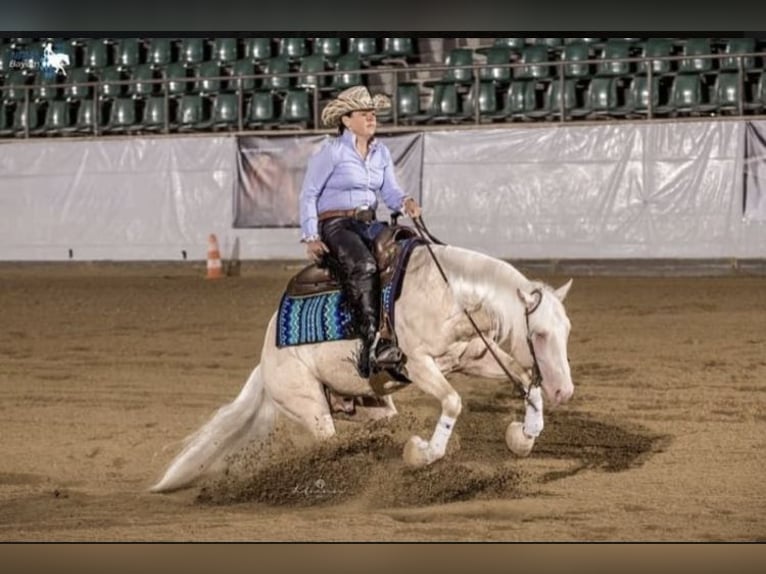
{"points": [[528, 300], [562, 291]]}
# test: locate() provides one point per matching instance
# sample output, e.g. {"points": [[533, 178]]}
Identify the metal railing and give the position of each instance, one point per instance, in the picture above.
{"points": [[322, 82]]}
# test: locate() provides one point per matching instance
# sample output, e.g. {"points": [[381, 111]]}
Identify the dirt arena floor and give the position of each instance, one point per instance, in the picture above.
{"points": [[105, 368]]}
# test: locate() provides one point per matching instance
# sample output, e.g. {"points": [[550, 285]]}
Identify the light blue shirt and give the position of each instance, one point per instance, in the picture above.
{"points": [[338, 178]]}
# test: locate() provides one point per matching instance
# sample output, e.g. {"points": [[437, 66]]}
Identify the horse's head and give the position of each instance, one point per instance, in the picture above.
{"points": [[548, 333]]}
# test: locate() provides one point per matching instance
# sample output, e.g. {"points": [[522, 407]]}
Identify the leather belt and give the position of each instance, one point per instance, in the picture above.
{"points": [[365, 214]]}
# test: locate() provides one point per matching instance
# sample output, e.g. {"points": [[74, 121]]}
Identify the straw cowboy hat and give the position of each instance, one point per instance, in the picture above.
{"points": [[352, 99]]}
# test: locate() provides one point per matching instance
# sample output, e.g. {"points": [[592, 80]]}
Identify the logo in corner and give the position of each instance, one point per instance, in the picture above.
{"points": [[52, 62]]}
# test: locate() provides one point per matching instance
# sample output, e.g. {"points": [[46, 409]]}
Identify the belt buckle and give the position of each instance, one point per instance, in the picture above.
{"points": [[364, 213]]}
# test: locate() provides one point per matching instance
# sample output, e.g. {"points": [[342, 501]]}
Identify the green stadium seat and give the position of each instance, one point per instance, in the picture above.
{"points": [[601, 97], [295, 108], [258, 49], [95, 54], [260, 110], [122, 116], [5, 59], [407, 101], [736, 46], [273, 67], [497, 70], [550, 43], [109, 82], [614, 50], [515, 44], [243, 67], [447, 104], [46, 87], [154, 114], [13, 88], [398, 50], [6, 121], [76, 90], [160, 52], [656, 48], [127, 52], [57, 117], [576, 52], [190, 114], [311, 65], [541, 107], [329, 48], [207, 78], [726, 93], [686, 95], [639, 96], [225, 50], [23, 118], [86, 116], [142, 75], [535, 59], [177, 82], [487, 102], [756, 95], [455, 58], [347, 72], [365, 48], [694, 64], [519, 99], [192, 50], [225, 111], [556, 94], [292, 48]]}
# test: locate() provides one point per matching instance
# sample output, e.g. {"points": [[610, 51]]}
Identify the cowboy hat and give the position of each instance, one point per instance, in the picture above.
{"points": [[352, 99]]}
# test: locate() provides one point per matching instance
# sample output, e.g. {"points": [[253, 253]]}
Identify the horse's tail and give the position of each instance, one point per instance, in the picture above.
{"points": [[249, 417]]}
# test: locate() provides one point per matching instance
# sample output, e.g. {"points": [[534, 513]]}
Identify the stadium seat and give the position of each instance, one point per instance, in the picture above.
{"points": [[540, 107], [96, 55], [122, 116], [656, 48], [693, 64], [455, 58], [127, 53], [398, 50], [86, 116], [224, 50], [756, 95], [5, 59], [575, 52], [177, 82], [6, 121], [46, 87], [160, 52], [601, 96], [515, 44], [190, 114], [295, 108], [555, 95], [407, 101], [347, 72], [76, 90], [244, 68], [639, 96], [365, 48], [725, 95], [225, 111], [550, 43], [207, 78], [143, 86], [519, 99], [154, 114], [24, 119], [109, 82], [535, 59], [497, 70], [292, 48], [738, 46], [487, 102], [310, 66], [258, 49], [57, 117], [447, 104], [614, 50], [13, 88], [686, 95], [192, 50], [273, 67], [260, 110], [329, 48]]}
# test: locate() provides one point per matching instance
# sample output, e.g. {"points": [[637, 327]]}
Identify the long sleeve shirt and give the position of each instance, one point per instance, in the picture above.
{"points": [[337, 177]]}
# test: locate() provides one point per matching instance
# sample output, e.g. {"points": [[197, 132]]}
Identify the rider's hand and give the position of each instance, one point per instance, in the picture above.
{"points": [[316, 249], [411, 208]]}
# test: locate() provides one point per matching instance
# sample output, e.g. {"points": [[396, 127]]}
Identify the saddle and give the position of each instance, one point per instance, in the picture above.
{"points": [[318, 278]]}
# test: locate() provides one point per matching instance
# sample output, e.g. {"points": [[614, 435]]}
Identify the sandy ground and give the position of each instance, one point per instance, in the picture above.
{"points": [[105, 368]]}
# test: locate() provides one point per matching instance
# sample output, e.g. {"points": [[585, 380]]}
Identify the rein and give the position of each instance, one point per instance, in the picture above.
{"points": [[536, 377]]}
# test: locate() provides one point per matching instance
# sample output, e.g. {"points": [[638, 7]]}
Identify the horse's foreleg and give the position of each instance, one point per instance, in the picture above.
{"points": [[427, 376]]}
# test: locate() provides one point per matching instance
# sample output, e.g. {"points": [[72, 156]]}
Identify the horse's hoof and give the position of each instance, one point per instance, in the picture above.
{"points": [[416, 452], [518, 443]]}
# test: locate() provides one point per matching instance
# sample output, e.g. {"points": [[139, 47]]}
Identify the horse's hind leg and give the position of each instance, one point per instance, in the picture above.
{"points": [[300, 395]]}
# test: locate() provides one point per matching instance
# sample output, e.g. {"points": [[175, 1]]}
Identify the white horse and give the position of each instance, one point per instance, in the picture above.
{"points": [[523, 321], [55, 60]]}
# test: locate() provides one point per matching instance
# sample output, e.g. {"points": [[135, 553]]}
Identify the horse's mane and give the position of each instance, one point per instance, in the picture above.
{"points": [[480, 281]]}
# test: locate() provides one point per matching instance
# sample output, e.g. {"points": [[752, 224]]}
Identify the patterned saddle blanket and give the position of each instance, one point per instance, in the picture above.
{"points": [[325, 316]]}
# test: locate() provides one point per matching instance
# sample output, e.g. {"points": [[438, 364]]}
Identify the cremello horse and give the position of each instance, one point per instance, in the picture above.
{"points": [[523, 321]]}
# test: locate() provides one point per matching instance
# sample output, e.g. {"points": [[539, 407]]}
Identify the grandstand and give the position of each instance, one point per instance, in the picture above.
{"points": [[268, 85]]}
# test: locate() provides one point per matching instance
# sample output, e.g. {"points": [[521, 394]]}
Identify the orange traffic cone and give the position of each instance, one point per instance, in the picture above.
{"points": [[214, 267]]}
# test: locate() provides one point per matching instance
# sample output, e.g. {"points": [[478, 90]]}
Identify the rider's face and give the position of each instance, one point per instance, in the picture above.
{"points": [[362, 122]]}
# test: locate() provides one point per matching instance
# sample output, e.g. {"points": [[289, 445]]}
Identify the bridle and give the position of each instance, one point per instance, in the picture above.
{"points": [[535, 369]]}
